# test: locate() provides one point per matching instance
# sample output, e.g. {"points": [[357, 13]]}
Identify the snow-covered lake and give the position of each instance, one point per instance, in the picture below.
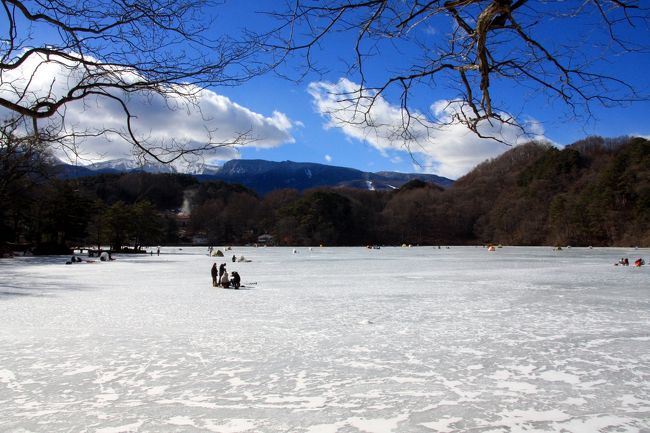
{"points": [[332, 340]]}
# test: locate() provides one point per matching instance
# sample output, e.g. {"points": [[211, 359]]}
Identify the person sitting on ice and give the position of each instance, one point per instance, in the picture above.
{"points": [[639, 262], [235, 280], [225, 281]]}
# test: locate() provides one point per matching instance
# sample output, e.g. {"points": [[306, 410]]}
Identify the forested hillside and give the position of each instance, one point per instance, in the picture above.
{"points": [[593, 192]]}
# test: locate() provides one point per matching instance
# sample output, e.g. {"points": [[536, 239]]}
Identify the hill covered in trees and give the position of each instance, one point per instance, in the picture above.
{"points": [[593, 192]]}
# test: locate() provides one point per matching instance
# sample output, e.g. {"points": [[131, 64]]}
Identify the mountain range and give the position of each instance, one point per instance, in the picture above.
{"points": [[264, 176]]}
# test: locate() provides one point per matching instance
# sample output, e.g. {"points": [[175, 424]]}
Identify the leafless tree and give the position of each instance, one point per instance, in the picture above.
{"points": [[468, 47], [111, 50], [20, 157]]}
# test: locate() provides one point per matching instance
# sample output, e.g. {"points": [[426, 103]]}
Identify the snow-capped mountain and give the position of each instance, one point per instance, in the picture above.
{"points": [[200, 168], [123, 165], [264, 176]]}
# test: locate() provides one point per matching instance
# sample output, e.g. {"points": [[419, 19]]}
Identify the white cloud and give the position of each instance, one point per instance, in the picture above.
{"points": [[209, 118], [448, 149], [328, 158]]}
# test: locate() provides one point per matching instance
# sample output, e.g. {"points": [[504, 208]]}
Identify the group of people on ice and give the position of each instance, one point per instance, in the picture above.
{"points": [[625, 262], [220, 277], [104, 256]]}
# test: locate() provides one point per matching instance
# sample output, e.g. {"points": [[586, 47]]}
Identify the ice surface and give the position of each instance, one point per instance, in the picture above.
{"points": [[332, 340]]}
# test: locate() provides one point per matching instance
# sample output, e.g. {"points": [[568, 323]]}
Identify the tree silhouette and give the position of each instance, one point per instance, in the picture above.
{"points": [[111, 51], [472, 49]]}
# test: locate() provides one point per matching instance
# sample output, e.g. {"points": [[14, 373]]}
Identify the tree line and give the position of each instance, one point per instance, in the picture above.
{"points": [[593, 192]]}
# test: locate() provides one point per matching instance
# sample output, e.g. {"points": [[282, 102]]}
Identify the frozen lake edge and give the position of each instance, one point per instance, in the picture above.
{"points": [[328, 340]]}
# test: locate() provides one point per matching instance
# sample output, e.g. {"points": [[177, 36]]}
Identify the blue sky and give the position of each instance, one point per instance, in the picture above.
{"points": [[289, 119], [317, 143]]}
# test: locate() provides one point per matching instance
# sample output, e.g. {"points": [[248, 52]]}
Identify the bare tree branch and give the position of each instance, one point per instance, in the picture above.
{"points": [[490, 41], [112, 49]]}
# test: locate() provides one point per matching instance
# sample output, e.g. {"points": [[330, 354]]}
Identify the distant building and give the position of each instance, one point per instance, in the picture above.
{"points": [[265, 239]]}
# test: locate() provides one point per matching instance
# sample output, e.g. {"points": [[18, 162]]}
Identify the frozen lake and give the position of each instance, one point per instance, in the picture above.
{"points": [[333, 340]]}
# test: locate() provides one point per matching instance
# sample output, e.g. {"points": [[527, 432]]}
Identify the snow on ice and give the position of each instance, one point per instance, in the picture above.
{"points": [[329, 340]]}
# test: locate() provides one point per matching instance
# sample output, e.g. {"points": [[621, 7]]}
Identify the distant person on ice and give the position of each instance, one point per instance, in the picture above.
{"points": [[235, 280], [222, 270], [73, 259], [214, 272], [225, 282]]}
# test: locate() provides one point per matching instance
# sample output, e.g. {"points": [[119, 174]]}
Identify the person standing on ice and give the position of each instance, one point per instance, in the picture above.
{"points": [[222, 270], [214, 272]]}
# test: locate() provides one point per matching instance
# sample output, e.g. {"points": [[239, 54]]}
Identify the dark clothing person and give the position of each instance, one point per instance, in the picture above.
{"points": [[214, 274], [222, 270], [234, 259], [235, 280]]}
